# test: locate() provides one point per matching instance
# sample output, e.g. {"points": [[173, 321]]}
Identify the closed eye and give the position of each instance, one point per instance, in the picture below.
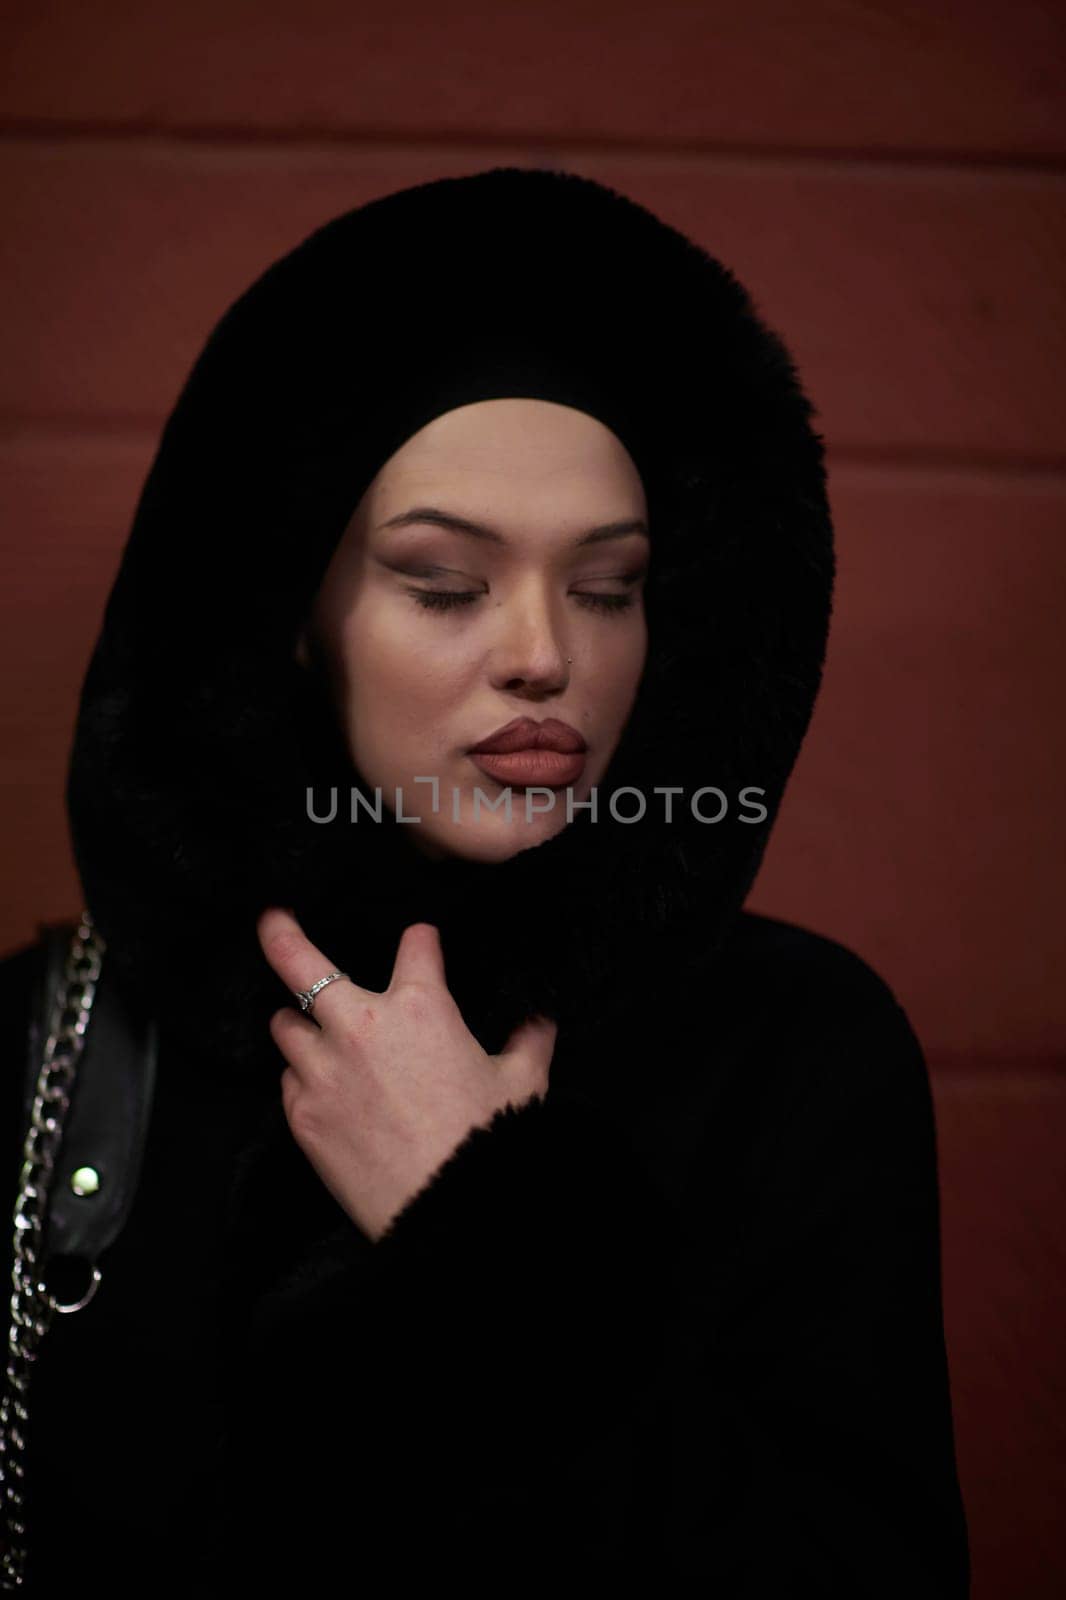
{"points": [[449, 599]]}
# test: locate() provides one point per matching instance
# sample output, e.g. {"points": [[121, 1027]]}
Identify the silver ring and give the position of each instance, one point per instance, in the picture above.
{"points": [[306, 997]]}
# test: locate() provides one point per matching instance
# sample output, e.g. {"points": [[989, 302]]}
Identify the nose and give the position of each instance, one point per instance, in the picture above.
{"points": [[530, 651]]}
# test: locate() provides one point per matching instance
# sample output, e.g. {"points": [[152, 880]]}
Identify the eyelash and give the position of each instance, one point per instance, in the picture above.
{"points": [[447, 600]]}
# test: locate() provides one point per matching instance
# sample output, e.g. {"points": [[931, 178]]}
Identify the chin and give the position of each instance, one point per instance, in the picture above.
{"points": [[488, 843]]}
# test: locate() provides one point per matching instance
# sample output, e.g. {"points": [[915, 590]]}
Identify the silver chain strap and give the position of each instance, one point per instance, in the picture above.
{"points": [[32, 1303]]}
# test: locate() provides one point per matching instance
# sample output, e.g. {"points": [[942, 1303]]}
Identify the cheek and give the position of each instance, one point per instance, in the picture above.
{"points": [[386, 658], [402, 686], [616, 670]]}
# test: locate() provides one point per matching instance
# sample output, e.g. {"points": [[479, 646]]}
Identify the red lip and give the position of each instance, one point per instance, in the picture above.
{"points": [[524, 734], [523, 769]]}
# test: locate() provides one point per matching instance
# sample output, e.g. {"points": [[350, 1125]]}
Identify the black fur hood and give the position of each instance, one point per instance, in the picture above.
{"points": [[199, 735]]}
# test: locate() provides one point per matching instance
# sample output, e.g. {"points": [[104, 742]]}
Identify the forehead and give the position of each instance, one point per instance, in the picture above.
{"points": [[519, 433], [506, 458]]}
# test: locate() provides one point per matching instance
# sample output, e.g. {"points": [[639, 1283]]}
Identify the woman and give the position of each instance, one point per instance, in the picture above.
{"points": [[584, 1228]]}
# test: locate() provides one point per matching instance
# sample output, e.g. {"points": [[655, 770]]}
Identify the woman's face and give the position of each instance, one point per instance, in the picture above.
{"points": [[434, 635]]}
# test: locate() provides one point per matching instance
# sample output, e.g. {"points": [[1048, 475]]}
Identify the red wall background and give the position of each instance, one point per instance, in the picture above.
{"points": [[888, 179]]}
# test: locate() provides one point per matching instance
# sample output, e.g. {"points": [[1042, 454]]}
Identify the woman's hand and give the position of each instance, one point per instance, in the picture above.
{"points": [[380, 1089]]}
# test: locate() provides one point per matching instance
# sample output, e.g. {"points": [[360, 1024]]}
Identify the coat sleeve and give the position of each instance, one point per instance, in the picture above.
{"points": [[824, 1426], [419, 1411]]}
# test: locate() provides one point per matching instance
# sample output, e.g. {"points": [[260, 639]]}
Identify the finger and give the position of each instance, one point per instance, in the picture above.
{"points": [[295, 1036], [299, 963], [527, 1055], [419, 957]]}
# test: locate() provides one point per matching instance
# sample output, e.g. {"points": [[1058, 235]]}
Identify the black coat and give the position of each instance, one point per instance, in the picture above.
{"points": [[686, 1334], [679, 1320]]}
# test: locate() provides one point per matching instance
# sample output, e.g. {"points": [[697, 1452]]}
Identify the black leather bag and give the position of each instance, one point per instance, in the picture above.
{"points": [[94, 1179], [110, 1108]]}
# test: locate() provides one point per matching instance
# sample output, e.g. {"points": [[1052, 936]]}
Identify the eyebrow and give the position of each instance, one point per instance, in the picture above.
{"points": [[478, 530]]}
